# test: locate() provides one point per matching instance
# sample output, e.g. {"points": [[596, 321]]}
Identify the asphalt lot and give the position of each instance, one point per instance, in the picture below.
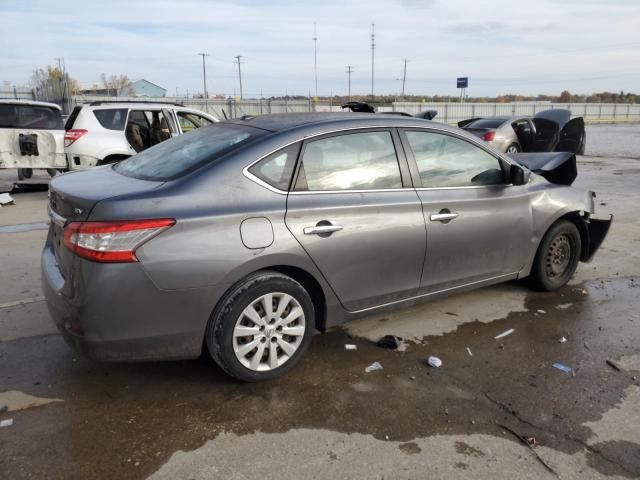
{"points": [[73, 418]]}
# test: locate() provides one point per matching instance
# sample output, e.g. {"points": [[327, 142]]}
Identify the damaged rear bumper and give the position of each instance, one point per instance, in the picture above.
{"points": [[597, 229]]}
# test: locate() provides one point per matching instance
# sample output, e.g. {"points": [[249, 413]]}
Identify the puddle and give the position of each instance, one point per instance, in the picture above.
{"points": [[24, 227]]}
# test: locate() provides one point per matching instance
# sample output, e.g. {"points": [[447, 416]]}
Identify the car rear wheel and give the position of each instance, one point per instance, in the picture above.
{"points": [[261, 327], [557, 257], [25, 173], [513, 148]]}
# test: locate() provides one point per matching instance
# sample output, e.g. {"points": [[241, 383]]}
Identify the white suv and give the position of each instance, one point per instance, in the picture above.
{"points": [[31, 136], [98, 133]]}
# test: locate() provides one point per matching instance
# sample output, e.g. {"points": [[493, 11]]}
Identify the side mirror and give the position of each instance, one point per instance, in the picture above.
{"points": [[519, 175]]}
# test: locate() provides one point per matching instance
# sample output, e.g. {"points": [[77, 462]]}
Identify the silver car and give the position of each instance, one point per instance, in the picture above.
{"points": [[244, 237], [547, 131]]}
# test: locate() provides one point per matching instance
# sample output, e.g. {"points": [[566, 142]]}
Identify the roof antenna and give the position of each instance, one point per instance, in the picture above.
{"points": [[224, 114]]}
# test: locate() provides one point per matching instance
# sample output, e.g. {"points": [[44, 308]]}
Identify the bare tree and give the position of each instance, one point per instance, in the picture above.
{"points": [[117, 85]]}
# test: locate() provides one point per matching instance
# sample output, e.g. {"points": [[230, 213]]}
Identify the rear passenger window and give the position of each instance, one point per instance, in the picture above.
{"points": [[445, 161], [277, 168], [356, 161], [113, 119]]}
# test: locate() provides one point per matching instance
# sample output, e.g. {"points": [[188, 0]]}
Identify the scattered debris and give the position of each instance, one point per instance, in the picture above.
{"points": [[525, 441], [373, 367], [562, 367], [6, 423], [603, 203], [613, 365], [504, 334], [349, 346], [532, 441], [586, 345], [3, 409], [6, 199], [434, 362], [583, 291], [541, 311], [390, 342], [469, 352], [452, 314], [563, 340]]}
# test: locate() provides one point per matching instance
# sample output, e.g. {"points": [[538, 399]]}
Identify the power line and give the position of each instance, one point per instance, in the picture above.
{"points": [[373, 48], [349, 72], [315, 56], [204, 74], [238, 57]]}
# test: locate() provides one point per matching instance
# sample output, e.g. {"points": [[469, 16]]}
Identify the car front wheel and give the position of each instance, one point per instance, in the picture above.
{"points": [[557, 257], [261, 327]]}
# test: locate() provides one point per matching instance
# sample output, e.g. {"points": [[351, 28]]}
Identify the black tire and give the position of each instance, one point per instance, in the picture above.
{"points": [[513, 148], [219, 335], [557, 257], [54, 171], [25, 173]]}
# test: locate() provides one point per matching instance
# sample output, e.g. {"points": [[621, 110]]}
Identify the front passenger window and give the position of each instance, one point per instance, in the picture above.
{"points": [[446, 161]]}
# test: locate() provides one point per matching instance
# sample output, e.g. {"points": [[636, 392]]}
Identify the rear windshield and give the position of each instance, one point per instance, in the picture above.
{"points": [[487, 123], [30, 116], [112, 118], [181, 155]]}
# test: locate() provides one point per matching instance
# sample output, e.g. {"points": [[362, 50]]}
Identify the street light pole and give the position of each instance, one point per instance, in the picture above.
{"points": [[315, 56], [204, 74], [404, 76], [373, 48], [238, 57], [349, 71]]}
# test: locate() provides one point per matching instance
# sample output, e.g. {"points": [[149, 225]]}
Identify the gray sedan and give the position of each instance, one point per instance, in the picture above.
{"points": [[242, 238]]}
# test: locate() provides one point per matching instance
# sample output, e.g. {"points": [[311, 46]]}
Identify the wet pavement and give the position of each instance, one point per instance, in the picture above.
{"points": [[73, 418]]}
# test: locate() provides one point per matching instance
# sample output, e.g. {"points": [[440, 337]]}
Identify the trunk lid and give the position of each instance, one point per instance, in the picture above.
{"points": [[72, 197]]}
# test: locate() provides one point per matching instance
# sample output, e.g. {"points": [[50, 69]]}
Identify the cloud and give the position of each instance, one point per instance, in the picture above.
{"points": [[532, 47]]}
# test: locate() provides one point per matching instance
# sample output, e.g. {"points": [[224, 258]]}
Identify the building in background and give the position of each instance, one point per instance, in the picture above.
{"points": [[136, 88]]}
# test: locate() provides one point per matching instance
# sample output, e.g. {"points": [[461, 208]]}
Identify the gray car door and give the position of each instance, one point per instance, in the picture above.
{"points": [[479, 226], [353, 210]]}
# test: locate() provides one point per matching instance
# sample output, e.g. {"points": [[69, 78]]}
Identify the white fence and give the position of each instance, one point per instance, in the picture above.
{"points": [[455, 112], [447, 112]]}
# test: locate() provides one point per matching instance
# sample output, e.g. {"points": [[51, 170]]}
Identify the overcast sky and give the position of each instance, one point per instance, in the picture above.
{"points": [[524, 47]]}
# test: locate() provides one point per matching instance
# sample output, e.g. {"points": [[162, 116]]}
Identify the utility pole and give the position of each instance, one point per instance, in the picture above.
{"points": [[238, 57], [204, 74], [315, 56], [404, 76], [373, 48], [349, 72]]}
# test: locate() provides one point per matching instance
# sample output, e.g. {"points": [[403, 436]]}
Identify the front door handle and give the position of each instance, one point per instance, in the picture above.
{"points": [[322, 228], [445, 216]]}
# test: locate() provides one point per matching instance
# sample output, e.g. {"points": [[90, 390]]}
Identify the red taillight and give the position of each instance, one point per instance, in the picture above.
{"points": [[489, 136], [72, 135], [112, 242]]}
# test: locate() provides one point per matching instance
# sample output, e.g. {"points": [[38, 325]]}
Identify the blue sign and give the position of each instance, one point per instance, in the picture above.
{"points": [[462, 82]]}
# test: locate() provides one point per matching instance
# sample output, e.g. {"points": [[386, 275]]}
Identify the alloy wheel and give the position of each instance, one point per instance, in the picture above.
{"points": [[269, 331]]}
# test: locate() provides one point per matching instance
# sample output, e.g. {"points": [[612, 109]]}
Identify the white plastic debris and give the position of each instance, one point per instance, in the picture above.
{"points": [[6, 423], [541, 311], [373, 367], [504, 334], [469, 352], [434, 362], [349, 346], [6, 199], [563, 340]]}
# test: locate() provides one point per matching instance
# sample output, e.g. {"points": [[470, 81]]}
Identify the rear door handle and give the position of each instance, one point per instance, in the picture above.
{"points": [[322, 229]]}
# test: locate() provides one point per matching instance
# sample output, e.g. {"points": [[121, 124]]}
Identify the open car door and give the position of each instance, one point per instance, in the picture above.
{"points": [[572, 137], [464, 123]]}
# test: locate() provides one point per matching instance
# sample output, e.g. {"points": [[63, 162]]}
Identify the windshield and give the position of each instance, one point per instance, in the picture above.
{"points": [[179, 156], [487, 123], [36, 117]]}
